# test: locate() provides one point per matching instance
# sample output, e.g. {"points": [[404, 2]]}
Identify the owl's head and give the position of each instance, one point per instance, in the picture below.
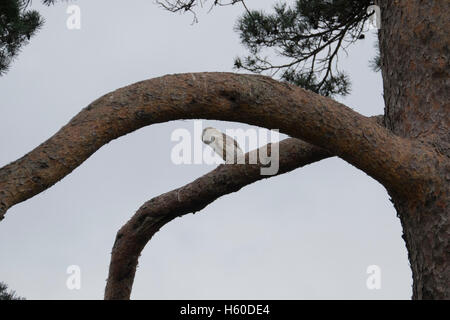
{"points": [[210, 134]]}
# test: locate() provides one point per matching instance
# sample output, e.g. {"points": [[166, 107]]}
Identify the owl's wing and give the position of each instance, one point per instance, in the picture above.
{"points": [[219, 145], [232, 150], [225, 146]]}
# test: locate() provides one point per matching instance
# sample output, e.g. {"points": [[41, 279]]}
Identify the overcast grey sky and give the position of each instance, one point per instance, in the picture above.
{"points": [[309, 234]]}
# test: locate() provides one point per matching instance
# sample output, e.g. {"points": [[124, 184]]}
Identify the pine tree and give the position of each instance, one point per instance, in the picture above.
{"points": [[306, 37], [5, 295], [18, 23]]}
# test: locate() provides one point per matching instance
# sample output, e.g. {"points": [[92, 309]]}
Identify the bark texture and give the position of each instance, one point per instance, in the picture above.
{"points": [[252, 99], [414, 45]]}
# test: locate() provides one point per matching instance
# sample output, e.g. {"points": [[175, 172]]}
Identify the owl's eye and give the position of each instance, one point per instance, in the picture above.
{"points": [[212, 139]]}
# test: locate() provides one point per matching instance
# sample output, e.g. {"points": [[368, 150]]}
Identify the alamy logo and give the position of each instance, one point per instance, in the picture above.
{"points": [[373, 282], [73, 281], [375, 17], [211, 146], [74, 20]]}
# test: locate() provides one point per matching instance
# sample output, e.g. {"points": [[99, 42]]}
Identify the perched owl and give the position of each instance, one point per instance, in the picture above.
{"points": [[225, 146]]}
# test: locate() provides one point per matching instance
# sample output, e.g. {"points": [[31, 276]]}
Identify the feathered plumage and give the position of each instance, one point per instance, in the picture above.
{"points": [[225, 146]]}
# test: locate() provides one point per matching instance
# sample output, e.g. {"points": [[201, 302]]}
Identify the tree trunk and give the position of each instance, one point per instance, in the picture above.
{"points": [[410, 156], [414, 45]]}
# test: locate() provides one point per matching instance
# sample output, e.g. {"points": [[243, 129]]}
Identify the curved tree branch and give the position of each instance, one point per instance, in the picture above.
{"points": [[193, 197], [137, 232], [251, 99]]}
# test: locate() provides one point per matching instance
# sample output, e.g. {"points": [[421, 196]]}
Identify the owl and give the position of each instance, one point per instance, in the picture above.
{"points": [[225, 146]]}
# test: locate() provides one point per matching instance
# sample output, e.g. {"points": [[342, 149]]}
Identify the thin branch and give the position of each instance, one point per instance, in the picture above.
{"points": [[189, 5]]}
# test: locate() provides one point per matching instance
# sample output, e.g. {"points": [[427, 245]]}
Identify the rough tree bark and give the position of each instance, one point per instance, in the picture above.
{"points": [[410, 157], [414, 45], [253, 99]]}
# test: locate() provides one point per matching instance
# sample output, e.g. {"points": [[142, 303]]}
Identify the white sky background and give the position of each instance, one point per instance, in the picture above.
{"points": [[304, 235]]}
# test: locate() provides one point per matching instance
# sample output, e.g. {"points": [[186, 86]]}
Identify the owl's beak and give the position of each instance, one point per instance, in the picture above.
{"points": [[210, 141]]}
